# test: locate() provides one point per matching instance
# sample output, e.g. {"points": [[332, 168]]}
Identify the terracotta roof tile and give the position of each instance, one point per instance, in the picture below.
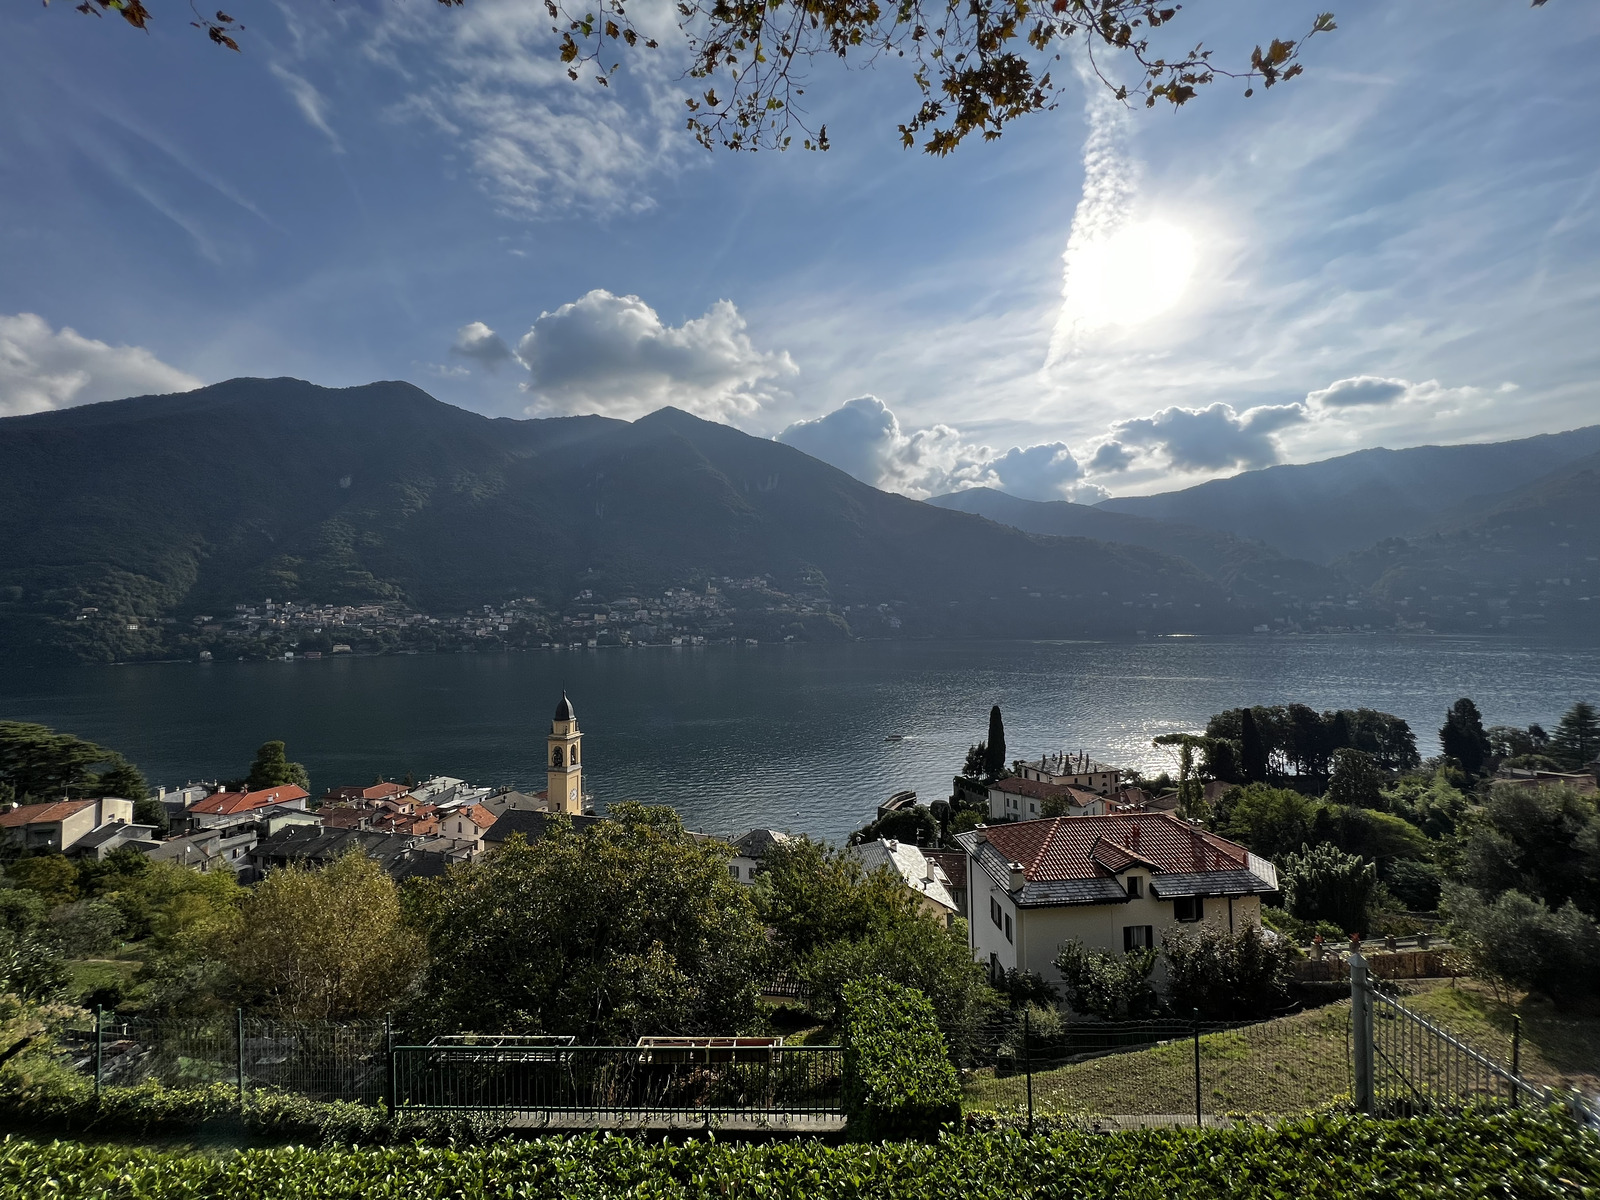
{"points": [[1062, 847], [50, 810], [228, 803]]}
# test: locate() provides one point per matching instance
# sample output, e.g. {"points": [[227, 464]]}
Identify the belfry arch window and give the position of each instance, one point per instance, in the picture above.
{"points": [[573, 756], [555, 757]]}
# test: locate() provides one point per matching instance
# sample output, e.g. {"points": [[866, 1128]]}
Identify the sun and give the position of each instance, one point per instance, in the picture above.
{"points": [[1128, 276]]}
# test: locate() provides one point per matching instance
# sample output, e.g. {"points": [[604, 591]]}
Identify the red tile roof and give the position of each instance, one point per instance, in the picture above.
{"points": [[1064, 847], [954, 863], [50, 810], [225, 804]]}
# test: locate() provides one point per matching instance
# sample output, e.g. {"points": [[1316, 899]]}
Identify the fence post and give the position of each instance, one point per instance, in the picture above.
{"points": [[238, 1045], [1199, 1119], [99, 1048], [1361, 1030], [1516, 1055], [1027, 1063], [388, 1044]]}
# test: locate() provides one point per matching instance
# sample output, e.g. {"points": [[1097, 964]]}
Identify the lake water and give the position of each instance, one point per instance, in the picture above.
{"points": [[790, 736]]}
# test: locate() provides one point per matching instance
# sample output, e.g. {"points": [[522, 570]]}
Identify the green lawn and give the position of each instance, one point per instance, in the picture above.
{"points": [[1288, 1065], [85, 975], [1559, 1050]]}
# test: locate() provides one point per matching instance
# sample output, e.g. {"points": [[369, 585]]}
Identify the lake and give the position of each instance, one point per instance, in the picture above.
{"points": [[790, 736]]}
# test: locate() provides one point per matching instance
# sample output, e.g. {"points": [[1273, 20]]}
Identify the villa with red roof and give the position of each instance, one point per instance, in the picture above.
{"points": [[1117, 881], [221, 807]]}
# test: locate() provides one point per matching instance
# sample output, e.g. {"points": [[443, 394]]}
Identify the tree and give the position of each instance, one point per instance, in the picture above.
{"points": [[1463, 738], [1271, 821], [1226, 975], [1323, 883], [123, 780], [29, 968], [325, 945], [1114, 987], [1355, 780], [915, 824], [1252, 754], [152, 812], [37, 763], [1543, 842], [630, 927], [978, 66], [810, 895], [1517, 940], [994, 750], [51, 876], [1191, 792], [977, 755], [1576, 741], [85, 927], [272, 768]]}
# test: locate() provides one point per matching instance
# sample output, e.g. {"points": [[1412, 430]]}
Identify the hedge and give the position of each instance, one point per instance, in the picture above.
{"points": [[1521, 1154], [898, 1080]]}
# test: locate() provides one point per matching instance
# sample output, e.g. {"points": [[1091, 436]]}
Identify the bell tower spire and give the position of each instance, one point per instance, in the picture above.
{"points": [[565, 768]]}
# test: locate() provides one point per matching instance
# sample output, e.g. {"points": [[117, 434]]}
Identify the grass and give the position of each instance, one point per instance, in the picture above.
{"points": [[85, 975], [1294, 1064], [1288, 1065]]}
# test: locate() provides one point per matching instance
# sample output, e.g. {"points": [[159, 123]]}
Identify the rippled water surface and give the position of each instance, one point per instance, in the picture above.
{"points": [[790, 736]]}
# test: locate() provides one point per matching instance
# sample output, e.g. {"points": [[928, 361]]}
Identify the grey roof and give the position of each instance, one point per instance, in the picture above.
{"points": [[910, 865], [532, 824], [116, 831], [759, 842], [317, 845], [1261, 876], [564, 710]]}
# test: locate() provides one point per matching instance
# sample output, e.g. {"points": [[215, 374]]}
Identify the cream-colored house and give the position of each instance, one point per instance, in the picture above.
{"points": [[1079, 770], [1116, 881], [59, 825], [1015, 798]]}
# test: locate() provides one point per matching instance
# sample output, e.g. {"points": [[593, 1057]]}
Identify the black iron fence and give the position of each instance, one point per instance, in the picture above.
{"points": [[614, 1081], [1035, 1062], [370, 1062]]}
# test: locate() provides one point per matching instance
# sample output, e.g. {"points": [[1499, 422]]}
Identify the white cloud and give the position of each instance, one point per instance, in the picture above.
{"points": [[41, 368], [864, 438], [476, 341], [1359, 389], [311, 103], [614, 355], [542, 145]]}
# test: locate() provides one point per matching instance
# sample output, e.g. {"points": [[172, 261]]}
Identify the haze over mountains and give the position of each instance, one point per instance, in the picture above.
{"points": [[121, 522]]}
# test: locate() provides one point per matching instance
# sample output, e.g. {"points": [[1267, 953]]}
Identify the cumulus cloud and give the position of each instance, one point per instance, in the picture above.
{"points": [[1359, 389], [1110, 457], [1369, 391], [476, 341], [614, 355], [1214, 438], [43, 368], [864, 438]]}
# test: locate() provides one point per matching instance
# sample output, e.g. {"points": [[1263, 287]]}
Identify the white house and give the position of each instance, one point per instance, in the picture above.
{"points": [[751, 850], [1114, 882], [1015, 798], [1077, 769]]}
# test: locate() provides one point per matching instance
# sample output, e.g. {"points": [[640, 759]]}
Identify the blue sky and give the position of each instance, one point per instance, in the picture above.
{"points": [[1401, 247]]}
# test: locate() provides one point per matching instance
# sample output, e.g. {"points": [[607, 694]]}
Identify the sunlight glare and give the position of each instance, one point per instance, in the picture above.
{"points": [[1132, 275]]}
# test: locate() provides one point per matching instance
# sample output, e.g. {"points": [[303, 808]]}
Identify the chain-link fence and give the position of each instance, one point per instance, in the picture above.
{"points": [[1034, 1061]]}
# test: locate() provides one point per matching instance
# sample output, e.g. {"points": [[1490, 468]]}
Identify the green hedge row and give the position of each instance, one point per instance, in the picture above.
{"points": [[1514, 1155], [898, 1079], [268, 1116]]}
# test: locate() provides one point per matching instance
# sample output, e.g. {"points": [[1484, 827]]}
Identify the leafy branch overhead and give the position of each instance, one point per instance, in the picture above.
{"points": [[977, 64]]}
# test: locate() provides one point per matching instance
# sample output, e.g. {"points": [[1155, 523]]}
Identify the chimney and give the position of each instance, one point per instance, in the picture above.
{"points": [[1133, 838], [1018, 877], [980, 835], [1197, 844]]}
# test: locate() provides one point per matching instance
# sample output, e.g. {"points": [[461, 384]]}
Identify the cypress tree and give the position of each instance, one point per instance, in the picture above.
{"points": [[1463, 738], [1252, 754], [994, 761], [1577, 738]]}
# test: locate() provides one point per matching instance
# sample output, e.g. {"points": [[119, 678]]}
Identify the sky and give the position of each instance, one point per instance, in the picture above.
{"points": [[1401, 247]]}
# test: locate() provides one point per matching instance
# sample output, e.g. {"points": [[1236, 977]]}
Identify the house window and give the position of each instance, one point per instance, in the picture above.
{"points": [[1190, 908], [1138, 937], [1008, 927], [994, 911], [1135, 886], [733, 870]]}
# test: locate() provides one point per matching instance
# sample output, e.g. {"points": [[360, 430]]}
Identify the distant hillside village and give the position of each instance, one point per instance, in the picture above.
{"points": [[1021, 859]]}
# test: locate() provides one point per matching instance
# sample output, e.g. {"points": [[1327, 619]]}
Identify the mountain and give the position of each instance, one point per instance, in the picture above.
{"points": [[1253, 571], [122, 522], [1322, 510], [1531, 561]]}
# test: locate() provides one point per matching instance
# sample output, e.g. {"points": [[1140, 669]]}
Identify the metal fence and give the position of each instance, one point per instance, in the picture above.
{"points": [[1405, 1063], [616, 1081], [369, 1062], [1191, 1071]]}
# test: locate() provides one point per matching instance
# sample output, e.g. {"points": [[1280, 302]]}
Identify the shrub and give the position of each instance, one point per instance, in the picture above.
{"points": [[1114, 987], [1416, 885], [30, 968], [1028, 989], [898, 1079], [1517, 940], [85, 927], [1225, 974], [1323, 883]]}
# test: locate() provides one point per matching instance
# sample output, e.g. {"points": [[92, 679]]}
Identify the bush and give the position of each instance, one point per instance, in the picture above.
{"points": [[1114, 987], [29, 968], [1517, 940], [1416, 885], [1331, 1157], [85, 927], [898, 1079], [1226, 975], [1323, 883]]}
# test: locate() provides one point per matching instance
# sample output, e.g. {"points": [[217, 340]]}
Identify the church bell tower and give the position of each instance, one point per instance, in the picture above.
{"points": [[565, 777]]}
